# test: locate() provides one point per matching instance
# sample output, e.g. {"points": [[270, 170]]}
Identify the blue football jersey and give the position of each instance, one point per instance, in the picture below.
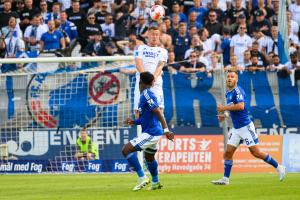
{"points": [[239, 118], [149, 121]]}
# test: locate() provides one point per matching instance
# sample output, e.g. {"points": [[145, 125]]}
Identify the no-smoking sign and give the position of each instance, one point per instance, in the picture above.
{"points": [[104, 88]]}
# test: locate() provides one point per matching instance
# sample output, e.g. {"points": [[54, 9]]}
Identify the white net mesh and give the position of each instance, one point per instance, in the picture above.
{"points": [[42, 115]]}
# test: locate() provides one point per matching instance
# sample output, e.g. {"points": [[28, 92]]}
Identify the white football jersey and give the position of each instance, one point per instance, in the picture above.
{"points": [[151, 56]]}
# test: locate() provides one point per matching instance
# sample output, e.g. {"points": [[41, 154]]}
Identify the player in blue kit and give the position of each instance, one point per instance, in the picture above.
{"points": [[243, 129], [154, 126]]}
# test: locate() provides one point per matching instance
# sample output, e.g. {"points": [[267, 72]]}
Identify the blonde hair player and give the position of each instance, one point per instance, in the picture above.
{"points": [[150, 58]]}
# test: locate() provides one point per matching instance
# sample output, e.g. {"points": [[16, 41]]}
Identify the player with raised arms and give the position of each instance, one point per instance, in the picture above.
{"points": [[154, 126], [243, 129], [150, 58]]}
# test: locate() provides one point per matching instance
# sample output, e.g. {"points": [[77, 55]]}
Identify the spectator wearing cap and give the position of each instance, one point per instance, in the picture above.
{"points": [[68, 27], [261, 23], [176, 10], [241, 20], [294, 8], [193, 21], [254, 66], [52, 39], [26, 15], [261, 6], [141, 28], [7, 14], [215, 7], [95, 46], [165, 39], [100, 15], [200, 10], [141, 9], [33, 33], [193, 65], [271, 43], [225, 46], [181, 42], [235, 11], [76, 15], [212, 25], [55, 14], [108, 27], [240, 43], [110, 49], [89, 29]]}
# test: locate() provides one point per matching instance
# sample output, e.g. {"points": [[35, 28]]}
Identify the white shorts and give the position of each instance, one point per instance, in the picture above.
{"points": [[246, 133], [146, 142], [156, 89]]}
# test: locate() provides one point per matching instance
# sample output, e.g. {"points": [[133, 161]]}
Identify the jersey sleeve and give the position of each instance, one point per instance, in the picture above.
{"points": [[163, 55], [138, 53], [151, 100]]}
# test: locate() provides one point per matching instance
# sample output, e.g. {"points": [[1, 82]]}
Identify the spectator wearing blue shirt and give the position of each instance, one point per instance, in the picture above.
{"points": [[225, 46], [55, 14], [181, 42], [68, 27], [53, 39], [176, 10], [201, 11], [193, 21]]}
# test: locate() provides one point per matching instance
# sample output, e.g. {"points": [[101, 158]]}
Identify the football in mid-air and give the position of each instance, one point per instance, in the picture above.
{"points": [[157, 12]]}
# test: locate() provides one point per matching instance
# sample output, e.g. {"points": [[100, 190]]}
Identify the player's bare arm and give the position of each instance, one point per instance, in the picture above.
{"points": [[159, 68], [139, 65], [233, 107], [163, 122]]}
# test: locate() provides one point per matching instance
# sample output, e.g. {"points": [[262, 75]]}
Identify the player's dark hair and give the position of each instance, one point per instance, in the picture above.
{"points": [[147, 78]]}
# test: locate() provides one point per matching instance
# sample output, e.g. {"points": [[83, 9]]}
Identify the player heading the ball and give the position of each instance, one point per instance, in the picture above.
{"points": [[150, 58], [154, 126], [243, 129]]}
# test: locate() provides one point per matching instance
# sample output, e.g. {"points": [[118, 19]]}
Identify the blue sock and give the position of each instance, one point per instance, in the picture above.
{"points": [[134, 162], [227, 167], [271, 161], [152, 167]]}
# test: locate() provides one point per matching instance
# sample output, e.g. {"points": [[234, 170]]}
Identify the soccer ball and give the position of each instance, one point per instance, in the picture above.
{"points": [[157, 12]]}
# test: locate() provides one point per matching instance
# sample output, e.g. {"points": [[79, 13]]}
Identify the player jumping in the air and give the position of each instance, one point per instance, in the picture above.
{"points": [[153, 127], [243, 130], [150, 58]]}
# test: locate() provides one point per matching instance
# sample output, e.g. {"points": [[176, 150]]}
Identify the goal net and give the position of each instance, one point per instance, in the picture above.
{"points": [[45, 105]]}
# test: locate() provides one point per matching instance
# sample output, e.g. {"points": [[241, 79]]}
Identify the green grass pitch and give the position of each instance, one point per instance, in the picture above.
{"points": [[176, 186]]}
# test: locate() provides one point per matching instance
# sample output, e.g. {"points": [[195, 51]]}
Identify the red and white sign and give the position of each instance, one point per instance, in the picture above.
{"points": [[104, 89], [204, 153]]}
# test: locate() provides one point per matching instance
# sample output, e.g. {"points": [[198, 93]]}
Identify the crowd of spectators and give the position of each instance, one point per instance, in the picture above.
{"points": [[244, 32]]}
